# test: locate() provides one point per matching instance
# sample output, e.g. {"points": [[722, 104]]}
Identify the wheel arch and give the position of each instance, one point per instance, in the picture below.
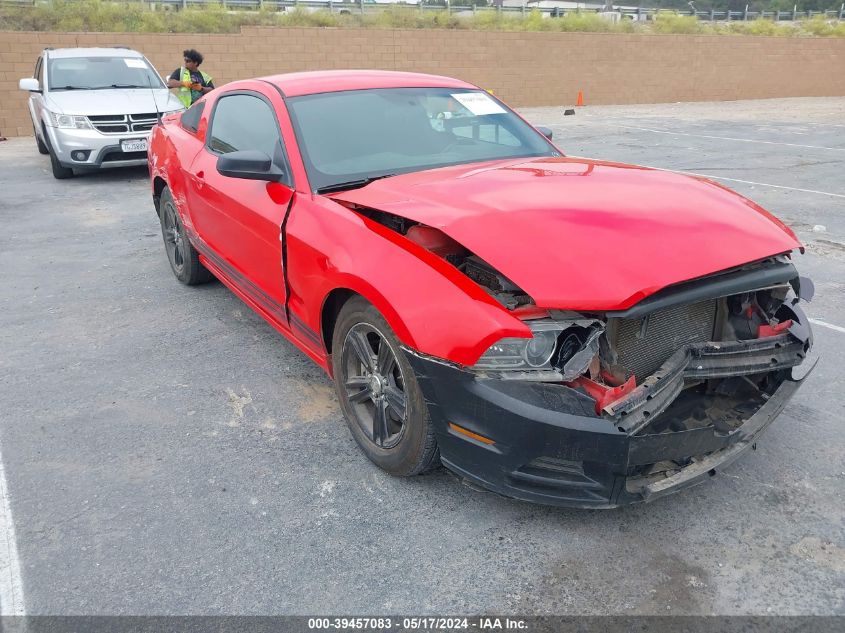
{"points": [[338, 297], [159, 184]]}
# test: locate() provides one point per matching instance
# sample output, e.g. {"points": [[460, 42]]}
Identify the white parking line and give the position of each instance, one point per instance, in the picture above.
{"points": [[729, 138], [747, 182], [836, 328], [751, 182], [807, 123], [11, 585]]}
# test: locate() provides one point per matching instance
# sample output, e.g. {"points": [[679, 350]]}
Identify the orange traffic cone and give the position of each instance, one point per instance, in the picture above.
{"points": [[580, 101]]}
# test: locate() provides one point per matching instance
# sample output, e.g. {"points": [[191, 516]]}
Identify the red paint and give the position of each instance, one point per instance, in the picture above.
{"points": [[603, 394], [306, 83], [573, 233], [602, 241], [764, 331]]}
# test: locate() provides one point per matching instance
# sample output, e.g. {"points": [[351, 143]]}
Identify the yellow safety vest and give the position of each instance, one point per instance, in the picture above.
{"points": [[185, 93]]}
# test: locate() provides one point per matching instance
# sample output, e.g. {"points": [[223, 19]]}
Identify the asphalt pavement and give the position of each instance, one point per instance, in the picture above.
{"points": [[167, 452]]}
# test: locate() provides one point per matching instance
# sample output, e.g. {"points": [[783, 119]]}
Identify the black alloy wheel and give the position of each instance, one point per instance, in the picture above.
{"points": [[174, 245], [381, 400], [375, 385], [183, 257]]}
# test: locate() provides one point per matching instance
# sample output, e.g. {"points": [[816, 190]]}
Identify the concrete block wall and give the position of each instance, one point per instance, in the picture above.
{"points": [[524, 69]]}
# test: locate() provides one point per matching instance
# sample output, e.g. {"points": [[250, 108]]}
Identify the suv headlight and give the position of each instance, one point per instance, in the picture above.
{"points": [[557, 350], [68, 121]]}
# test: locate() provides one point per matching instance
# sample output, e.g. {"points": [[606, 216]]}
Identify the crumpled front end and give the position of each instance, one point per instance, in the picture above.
{"points": [[670, 390]]}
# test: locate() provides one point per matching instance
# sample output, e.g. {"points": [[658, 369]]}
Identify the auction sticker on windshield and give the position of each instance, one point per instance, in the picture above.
{"points": [[478, 103], [134, 63], [135, 145]]}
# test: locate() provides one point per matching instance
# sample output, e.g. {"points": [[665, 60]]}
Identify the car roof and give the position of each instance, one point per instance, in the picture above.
{"points": [[92, 52], [305, 83]]}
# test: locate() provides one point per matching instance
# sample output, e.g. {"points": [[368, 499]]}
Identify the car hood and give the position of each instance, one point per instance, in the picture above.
{"points": [[100, 102], [582, 234]]}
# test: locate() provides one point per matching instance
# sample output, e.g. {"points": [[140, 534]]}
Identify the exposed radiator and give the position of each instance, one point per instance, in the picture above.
{"points": [[642, 349]]}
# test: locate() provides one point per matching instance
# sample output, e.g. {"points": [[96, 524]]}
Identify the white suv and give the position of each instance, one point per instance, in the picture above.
{"points": [[94, 107]]}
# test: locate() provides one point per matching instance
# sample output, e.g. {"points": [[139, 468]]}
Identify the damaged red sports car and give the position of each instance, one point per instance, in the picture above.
{"points": [[561, 330]]}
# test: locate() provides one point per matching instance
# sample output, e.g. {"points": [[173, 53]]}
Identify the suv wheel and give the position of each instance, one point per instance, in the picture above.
{"points": [[42, 148], [60, 172]]}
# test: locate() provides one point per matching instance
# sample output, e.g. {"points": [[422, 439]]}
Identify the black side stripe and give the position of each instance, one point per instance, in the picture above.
{"points": [[310, 334], [255, 293]]}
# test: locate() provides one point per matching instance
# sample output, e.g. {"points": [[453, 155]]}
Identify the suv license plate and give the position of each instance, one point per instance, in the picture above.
{"points": [[135, 145]]}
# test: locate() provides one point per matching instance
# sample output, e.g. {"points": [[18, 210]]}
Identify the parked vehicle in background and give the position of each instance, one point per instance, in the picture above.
{"points": [[93, 108], [558, 329]]}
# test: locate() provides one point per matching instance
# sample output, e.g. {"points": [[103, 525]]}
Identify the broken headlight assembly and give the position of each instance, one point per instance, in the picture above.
{"points": [[558, 350]]}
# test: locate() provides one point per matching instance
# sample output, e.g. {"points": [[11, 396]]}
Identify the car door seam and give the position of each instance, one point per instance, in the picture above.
{"points": [[284, 239]]}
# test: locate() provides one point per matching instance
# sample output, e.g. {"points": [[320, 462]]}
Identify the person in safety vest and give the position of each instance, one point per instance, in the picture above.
{"points": [[189, 79]]}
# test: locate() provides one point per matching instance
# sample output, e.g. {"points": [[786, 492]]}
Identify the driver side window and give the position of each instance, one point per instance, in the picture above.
{"points": [[243, 122], [247, 122]]}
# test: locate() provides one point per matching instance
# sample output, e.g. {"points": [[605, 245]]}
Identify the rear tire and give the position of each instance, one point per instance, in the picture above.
{"points": [[183, 257], [383, 405]]}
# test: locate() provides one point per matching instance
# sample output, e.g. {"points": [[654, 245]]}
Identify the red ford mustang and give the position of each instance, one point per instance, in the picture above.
{"points": [[561, 330]]}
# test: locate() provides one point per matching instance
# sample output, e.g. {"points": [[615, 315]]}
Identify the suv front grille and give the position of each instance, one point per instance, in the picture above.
{"points": [[122, 123]]}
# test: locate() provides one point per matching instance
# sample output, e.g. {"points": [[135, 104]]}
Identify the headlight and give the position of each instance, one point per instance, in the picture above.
{"points": [[557, 350], [69, 121]]}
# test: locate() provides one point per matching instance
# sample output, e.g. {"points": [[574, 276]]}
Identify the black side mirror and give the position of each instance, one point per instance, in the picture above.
{"points": [[545, 131], [249, 164]]}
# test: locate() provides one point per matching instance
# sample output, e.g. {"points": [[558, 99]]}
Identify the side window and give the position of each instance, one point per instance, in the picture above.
{"points": [[190, 119], [242, 122]]}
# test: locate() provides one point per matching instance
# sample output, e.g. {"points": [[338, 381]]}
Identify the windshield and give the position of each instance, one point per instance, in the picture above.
{"points": [[101, 73], [357, 135]]}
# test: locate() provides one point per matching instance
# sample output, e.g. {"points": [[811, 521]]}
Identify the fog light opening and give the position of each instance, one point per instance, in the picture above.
{"points": [[80, 155]]}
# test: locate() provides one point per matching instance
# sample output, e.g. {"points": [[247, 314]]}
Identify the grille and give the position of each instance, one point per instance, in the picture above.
{"points": [[122, 123], [112, 129], [643, 345]]}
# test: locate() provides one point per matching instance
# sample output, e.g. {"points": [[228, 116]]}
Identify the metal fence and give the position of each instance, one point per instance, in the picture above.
{"points": [[461, 7]]}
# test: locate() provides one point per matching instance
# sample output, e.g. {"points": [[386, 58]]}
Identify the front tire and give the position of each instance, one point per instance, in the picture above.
{"points": [[378, 392], [183, 257], [42, 148], [60, 172]]}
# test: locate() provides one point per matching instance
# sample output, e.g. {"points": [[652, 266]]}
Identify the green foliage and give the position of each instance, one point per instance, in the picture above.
{"points": [[301, 17], [820, 27], [107, 16], [588, 22], [679, 24], [762, 27]]}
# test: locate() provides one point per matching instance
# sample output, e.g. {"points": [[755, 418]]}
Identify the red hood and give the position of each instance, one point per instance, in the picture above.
{"points": [[582, 234]]}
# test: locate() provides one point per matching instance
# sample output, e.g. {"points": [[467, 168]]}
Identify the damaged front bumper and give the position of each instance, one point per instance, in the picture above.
{"points": [[545, 443]]}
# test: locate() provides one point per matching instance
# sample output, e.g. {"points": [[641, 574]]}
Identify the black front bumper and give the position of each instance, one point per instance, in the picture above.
{"points": [[552, 448]]}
